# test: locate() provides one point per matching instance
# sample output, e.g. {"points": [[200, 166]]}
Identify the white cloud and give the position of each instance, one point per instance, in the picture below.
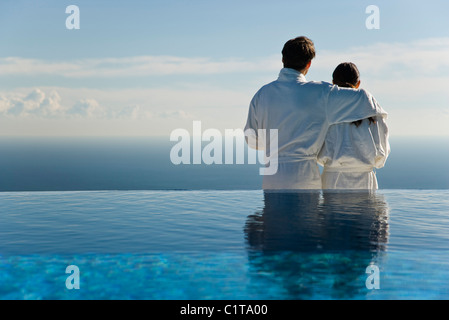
{"points": [[5, 104], [125, 104], [409, 79], [131, 112], [132, 66], [36, 102], [39, 104], [51, 105], [177, 114], [419, 58], [15, 107], [426, 56], [86, 108]]}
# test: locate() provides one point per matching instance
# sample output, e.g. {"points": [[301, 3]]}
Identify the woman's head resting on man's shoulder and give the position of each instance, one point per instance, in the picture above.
{"points": [[346, 75]]}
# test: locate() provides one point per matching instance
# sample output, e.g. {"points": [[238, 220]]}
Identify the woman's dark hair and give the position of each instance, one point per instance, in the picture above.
{"points": [[347, 75], [297, 53]]}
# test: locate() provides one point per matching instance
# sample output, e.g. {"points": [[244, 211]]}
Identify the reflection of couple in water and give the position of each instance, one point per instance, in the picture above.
{"points": [[340, 127], [312, 242], [310, 221]]}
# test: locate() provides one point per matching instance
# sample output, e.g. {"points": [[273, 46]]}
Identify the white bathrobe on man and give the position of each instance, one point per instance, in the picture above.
{"points": [[302, 111]]}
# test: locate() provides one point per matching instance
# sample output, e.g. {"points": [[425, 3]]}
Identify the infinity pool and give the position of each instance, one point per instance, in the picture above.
{"points": [[225, 245]]}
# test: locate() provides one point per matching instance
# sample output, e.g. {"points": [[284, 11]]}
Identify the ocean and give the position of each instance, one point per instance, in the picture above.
{"points": [[73, 164]]}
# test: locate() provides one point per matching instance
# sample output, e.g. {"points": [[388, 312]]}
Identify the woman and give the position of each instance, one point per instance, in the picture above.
{"points": [[352, 151]]}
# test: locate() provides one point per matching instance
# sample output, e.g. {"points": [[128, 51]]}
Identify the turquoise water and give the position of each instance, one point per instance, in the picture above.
{"points": [[224, 244]]}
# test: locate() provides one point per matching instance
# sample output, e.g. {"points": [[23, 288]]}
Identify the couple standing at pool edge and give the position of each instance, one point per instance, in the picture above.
{"points": [[337, 125]]}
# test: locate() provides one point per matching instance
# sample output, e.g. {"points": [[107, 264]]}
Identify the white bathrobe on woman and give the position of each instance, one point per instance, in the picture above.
{"points": [[350, 154], [302, 111]]}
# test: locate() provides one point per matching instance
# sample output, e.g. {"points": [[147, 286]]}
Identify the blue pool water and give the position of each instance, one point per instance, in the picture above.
{"points": [[240, 244]]}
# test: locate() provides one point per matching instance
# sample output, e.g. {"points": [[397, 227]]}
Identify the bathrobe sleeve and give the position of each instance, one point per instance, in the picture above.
{"points": [[252, 124], [347, 105], [381, 139]]}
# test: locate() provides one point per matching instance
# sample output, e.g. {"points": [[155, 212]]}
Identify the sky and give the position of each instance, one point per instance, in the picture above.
{"points": [[146, 68]]}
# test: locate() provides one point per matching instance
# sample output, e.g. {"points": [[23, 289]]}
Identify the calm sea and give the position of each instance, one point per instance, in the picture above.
{"points": [[68, 164]]}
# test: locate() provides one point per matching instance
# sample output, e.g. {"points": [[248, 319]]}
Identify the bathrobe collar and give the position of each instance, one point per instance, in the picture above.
{"points": [[288, 74]]}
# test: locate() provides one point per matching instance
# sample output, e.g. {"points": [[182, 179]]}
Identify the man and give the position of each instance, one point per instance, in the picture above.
{"points": [[302, 112]]}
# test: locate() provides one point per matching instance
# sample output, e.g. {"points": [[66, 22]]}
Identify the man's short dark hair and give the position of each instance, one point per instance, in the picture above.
{"points": [[297, 53]]}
